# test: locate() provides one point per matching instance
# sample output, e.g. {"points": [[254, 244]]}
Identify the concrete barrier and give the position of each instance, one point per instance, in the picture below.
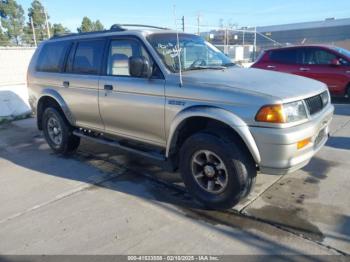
{"points": [[13, 88], [14, 102]]}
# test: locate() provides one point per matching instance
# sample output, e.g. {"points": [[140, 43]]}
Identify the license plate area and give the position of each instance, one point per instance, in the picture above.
{"points": [[320, 137]]}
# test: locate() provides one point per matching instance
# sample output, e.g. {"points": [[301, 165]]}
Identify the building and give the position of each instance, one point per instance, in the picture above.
{"points": [[330, 31]]}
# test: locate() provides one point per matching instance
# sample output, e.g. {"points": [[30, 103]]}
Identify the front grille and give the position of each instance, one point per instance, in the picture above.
{"points": [[315, 104]]}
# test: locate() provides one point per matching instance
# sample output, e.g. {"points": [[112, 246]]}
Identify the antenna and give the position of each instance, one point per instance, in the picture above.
{"points": [[178, 47]]}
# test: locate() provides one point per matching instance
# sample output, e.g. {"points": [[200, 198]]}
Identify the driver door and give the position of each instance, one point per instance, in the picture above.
{"points": [[131, 107], [317, 64]]}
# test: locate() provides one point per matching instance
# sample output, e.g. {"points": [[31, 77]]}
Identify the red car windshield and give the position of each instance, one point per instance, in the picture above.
{"points": [[343, 51]]}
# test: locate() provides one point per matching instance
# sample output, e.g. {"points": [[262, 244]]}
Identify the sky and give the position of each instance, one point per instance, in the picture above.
{"points": [[161, 12]]}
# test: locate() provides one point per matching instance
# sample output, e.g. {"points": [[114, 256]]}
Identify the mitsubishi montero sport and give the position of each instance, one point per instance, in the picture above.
{"points": [[176, 98]]}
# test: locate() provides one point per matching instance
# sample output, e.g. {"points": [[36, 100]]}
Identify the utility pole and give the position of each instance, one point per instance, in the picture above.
{"points": [[226, 42], [243, 37], [254, 48], [198, 23], [33, 29], [47, 24], [183, 23]]}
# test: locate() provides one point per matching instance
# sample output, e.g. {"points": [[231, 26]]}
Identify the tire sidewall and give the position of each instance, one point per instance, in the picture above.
{"points": [[51, 112], [233, 159]]}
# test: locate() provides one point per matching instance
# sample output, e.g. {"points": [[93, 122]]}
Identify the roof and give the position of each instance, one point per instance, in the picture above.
{"points": [[116, 29], [306, 25], [302, 46]]}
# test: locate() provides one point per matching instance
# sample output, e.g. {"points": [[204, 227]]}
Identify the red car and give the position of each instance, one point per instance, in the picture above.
{"points": [[327, 64]]}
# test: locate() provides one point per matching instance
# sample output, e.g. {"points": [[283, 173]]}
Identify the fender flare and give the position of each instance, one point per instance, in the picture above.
{"points": [[218, 114], [48, 92]]}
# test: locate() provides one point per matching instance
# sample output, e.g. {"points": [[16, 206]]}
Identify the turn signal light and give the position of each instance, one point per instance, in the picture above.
{"points": [[303, 143], [271, 114]]}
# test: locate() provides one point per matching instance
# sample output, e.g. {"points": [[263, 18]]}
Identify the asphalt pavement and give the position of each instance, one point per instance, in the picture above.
{"points": [[103, 201]]}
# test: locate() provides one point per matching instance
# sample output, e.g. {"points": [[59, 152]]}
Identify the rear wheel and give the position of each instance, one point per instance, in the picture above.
{"points": [[58, 132], [216, 172]]}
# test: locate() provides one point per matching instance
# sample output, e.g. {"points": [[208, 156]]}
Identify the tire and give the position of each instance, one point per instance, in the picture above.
{"points": [[234, 170], [58, 132]]}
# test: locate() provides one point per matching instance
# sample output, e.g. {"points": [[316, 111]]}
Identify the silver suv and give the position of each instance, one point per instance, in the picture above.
{"points": [[176, 98]]}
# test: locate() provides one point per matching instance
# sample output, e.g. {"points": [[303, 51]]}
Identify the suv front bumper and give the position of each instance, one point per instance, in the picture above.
{"points": [[278, 146]]}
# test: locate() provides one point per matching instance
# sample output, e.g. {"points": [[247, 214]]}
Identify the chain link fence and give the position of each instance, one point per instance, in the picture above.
{"points": [[244, 45]]}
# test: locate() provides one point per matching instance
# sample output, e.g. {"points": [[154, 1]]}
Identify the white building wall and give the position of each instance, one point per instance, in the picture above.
{"points": [[13, 89]]}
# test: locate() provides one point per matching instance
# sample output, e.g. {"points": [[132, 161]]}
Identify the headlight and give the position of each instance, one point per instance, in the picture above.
{"points": [[285, 113], [325, 98], [294, 111]]}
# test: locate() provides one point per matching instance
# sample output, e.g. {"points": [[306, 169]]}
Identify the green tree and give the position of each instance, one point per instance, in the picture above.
{"points": [[98, 26], [12, 19], [4, 40], [59, 29], [87, 25], [37, 13], [28, 37]]}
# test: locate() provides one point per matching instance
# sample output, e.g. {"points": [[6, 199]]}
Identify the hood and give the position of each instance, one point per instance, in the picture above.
{"points": [[285, 87]]}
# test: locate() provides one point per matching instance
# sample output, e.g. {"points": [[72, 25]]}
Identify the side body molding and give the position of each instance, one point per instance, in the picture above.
{"points": [[218, 114], [58, 98]]}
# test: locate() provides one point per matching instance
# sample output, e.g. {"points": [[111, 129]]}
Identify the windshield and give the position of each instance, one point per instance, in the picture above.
{"points": [[342, 51], [195, 53]]}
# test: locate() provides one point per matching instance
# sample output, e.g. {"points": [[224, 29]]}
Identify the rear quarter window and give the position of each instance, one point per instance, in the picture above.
{"points": [[288, 56], [51, 57]]}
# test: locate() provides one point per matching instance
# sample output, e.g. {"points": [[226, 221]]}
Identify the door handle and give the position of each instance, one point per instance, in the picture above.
{"points": [[304, 69], [108, 87], [271, 66], [66, 84]]}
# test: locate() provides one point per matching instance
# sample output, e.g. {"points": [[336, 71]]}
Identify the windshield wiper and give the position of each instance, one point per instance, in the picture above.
{"points": [[206, 67], [229, 64]]}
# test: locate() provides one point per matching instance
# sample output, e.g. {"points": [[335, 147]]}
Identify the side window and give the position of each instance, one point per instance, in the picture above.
{"points": [[314, 56], [52, 56], [344, 61], [119, 53], [288, 56], [88, 57]]}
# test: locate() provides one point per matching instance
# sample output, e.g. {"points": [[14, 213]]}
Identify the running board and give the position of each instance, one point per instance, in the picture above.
{"points": [[113, 143]]}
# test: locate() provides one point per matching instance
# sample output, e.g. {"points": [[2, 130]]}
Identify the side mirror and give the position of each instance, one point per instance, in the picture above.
{"points": [[335, 62], [140, 66]]}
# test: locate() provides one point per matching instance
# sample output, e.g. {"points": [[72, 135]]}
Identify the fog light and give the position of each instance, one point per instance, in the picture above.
{"points": [[303, 143]]}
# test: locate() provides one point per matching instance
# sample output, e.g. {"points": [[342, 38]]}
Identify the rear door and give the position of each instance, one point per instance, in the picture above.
{"points": [[80, 82], [317, 64], [282, 60], [131, 107]]}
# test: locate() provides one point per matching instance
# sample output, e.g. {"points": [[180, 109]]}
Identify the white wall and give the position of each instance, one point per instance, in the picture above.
{"points": [[13, 89]]}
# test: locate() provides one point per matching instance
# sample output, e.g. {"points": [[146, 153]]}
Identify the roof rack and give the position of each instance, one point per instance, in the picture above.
{"points": [[76, 34], [114, 28], [120, 27]]}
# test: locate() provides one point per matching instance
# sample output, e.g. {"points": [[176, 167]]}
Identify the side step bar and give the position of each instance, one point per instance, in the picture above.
{"points": [[113, 143]]}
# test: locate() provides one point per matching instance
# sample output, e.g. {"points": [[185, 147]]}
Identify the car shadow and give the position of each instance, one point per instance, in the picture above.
{"points": [[339, 142]]}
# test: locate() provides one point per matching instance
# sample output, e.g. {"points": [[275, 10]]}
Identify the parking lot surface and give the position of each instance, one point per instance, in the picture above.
{"points": [[103, 201]]}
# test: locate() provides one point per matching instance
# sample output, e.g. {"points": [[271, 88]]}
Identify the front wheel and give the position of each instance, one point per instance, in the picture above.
{"points": [[218, 172], [58, 133], [347, 95]]}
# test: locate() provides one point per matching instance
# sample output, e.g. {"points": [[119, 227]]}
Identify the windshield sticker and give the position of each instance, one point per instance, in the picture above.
{"points": [[170, 50]]}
